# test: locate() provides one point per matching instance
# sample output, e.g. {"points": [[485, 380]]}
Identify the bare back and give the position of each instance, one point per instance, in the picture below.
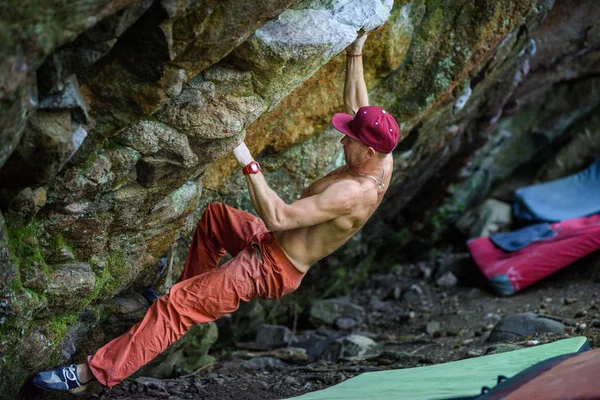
{"points": [[307, 245]]}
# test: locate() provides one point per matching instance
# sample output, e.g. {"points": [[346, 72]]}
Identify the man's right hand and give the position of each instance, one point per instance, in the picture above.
{"points": [[242, 155]]}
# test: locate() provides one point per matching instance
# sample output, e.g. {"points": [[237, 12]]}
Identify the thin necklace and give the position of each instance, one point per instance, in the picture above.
{"points": [[380, 184]]}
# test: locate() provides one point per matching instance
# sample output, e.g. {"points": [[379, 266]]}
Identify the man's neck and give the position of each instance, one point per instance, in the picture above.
{"points": [[369, 167]]}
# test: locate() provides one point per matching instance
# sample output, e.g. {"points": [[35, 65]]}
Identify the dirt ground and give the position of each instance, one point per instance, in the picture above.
{"points": [[466, 315]]}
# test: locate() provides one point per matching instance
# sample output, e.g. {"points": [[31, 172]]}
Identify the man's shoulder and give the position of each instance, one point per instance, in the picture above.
{"points": [[353, 192], [345, 185]]}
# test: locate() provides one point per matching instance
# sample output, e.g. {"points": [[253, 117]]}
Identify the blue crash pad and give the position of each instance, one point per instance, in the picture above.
{"points": [[519, 239], [574, 196]]}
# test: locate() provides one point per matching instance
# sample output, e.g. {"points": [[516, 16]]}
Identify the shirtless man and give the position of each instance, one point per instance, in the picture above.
{"points": [[271, 254]]}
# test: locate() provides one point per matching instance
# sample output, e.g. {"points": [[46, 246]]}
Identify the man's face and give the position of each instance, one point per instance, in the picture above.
{"points": [[354, 151]]}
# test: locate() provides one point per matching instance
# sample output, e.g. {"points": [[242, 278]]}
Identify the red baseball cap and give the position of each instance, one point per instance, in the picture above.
{"points": [[371, 126]]}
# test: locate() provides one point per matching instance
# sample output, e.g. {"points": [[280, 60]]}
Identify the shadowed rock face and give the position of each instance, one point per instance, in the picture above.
{"points": [[117, 127]]}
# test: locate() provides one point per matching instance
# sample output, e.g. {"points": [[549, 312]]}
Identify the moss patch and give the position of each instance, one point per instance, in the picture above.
{"points": [[111, 276], [24, 250]]}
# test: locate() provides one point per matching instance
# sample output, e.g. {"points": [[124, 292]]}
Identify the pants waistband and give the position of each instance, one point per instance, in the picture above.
{"points": [[279, 256]]}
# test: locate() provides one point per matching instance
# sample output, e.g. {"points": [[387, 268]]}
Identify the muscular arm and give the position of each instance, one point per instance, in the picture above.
{"points": [[335, 201], [355, 88]]}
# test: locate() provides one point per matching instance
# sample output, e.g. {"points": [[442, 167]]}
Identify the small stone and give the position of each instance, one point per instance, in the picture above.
{"points": [[345, 323], [532, 342], [327, 311], [263, 363], [273, 335], [447, 280], [355, 345], [548, 299], [568, 301], [493, 317], [290, 380], [473, 353], [433, 329], [582, 326], [467, 342], [151, 383]]}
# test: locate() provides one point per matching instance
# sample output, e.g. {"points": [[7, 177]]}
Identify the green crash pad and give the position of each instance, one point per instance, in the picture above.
{"points": [[442, 381]]}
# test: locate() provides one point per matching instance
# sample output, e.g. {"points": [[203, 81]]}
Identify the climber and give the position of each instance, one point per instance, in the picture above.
{"points": [[270, 254]]}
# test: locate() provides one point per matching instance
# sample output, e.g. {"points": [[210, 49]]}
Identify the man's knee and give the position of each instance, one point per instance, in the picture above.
{"points": [[215, 207]]}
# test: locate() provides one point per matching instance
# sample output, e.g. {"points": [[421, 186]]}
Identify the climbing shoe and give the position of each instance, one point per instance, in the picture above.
{"points": [[151, 295], [63, 378]]}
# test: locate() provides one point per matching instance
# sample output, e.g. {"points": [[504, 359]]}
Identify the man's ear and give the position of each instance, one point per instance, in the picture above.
{"points": [[371, 152]]}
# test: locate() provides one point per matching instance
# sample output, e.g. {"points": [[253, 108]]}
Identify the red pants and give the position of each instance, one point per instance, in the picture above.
{"points": [[259, 268]]}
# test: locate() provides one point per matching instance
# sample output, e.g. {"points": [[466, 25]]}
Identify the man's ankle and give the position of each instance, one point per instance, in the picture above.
{"points": [[84, 373]]}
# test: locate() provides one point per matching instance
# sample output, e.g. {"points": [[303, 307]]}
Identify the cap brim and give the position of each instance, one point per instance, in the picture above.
{"points": [[341, 122]]}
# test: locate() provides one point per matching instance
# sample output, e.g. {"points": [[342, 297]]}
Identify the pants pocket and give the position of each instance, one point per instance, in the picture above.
{"points": [[257, 251]]}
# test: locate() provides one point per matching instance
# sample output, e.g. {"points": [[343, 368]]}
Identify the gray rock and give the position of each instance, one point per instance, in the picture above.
{"points": [[152, 137], [301, 40], [433, 329], [33, 348], [67, 97], [174, 205], [345, 323], [315, 345], [152, 383], [355, 346], [70, 284], [273, 335], [129, 309], [327, 311], [447, 280], [268, 363], [50, 139], [413, 294], [524, 325], [219, 104], [381, 306], [368, 15]]}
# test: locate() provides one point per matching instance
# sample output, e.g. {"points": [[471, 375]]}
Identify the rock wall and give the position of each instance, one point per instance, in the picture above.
{"points": [[117, 124], [542, 125]]}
